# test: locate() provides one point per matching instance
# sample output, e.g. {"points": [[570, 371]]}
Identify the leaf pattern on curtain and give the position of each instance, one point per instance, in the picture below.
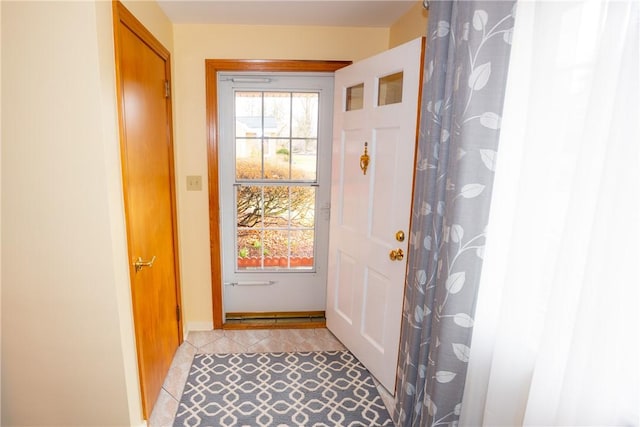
{"points": [[465, 73]]}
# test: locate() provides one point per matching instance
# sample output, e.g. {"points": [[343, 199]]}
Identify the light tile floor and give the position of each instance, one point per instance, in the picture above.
{"points": [[238, 341]]}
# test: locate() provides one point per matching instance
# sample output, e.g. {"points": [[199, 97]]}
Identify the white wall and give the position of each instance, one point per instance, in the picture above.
{"points": [[67, 344]]}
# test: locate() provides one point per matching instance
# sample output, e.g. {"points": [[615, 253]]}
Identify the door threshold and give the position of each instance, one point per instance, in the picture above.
{"points": [[275, 320]]}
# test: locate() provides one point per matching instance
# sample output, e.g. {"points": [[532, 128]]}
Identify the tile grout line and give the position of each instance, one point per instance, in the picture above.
{"points": [[190, 362], [171, 395]]}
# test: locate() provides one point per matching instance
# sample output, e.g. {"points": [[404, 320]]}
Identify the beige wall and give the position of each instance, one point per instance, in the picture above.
{"points": [[411, 25], [62, 349], [68, 350], [193, 44], [154, 20]]}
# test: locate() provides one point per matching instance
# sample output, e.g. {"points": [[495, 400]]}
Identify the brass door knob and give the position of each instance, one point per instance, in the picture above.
{"points": [[139, 264], [396, 255], [400, 236]]}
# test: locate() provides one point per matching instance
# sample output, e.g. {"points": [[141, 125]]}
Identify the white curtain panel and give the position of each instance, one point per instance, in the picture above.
{"points": [[556, 330]]}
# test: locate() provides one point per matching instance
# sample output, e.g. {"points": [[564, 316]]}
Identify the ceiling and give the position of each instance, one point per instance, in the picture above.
{"points": [[354, 13]]}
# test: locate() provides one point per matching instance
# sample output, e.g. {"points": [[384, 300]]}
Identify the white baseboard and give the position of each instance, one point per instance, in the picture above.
{"points": [[198, 326]]}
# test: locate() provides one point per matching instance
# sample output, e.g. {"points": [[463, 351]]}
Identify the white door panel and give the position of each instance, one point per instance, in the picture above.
{"points": [[351, 207], [365, 286], [345, 287]]}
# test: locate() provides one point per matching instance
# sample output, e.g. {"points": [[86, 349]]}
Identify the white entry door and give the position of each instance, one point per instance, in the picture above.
{"points": [[375, 115]]}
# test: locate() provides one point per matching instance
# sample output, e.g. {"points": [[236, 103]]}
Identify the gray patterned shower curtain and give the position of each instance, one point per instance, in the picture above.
{"points": [[467, 57]]}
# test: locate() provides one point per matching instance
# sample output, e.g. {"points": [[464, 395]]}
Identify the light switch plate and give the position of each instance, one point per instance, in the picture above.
{"points": [[194, 183]]}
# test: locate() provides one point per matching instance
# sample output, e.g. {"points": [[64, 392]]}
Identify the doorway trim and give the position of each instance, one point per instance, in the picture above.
{"points": [[212, 67]]}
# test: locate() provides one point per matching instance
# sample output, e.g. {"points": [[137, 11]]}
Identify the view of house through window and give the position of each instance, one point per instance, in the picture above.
{"points": [[276, 160]]}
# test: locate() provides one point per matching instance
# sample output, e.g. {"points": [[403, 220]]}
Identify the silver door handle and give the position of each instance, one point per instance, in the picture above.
{"points": [[139, 263]]}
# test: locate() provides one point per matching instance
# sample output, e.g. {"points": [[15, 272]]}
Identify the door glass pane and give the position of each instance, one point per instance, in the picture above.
{"points": [[249, 112], [276, 145], [277, 114], [275, 226], [302, 249], [248, 135], [248, 158], [277, 164], [305, 115], [276, 249], [303, 203], [276, 206], [390, 89], [249, 206], [355, 97], [304, 159], [249, 249]]}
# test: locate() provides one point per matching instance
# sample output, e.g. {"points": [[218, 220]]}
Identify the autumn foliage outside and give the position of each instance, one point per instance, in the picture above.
{"points": [[275, 221]]}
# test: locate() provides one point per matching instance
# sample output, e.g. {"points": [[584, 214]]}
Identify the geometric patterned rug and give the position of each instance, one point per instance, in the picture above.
{"points": [[320, 388]]}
